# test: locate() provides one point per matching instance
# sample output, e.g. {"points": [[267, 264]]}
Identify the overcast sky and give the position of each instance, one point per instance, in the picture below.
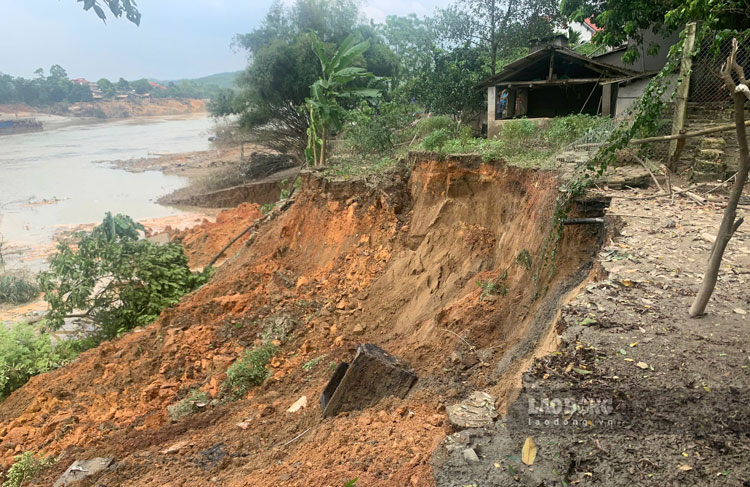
{"points": [[176, 39]]}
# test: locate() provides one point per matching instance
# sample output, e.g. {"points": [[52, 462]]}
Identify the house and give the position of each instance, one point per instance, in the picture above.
{"points": [[585, 29], [552, 81]]}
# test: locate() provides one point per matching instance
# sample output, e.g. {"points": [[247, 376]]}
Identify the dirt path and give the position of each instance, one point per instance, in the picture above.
{"points": [[661, 398]]}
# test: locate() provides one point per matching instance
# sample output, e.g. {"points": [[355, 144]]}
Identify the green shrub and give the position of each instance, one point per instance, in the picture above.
{"points": [[437, 139], [250, 370], [520, 130], [377, 130], [428, 125], [565, 130], [16, 289], [25, 353], [192, 403], [114, 279], [25, 468]]}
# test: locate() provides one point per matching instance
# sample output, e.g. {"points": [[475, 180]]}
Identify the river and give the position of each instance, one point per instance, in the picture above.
{"points": [[56, 179]]}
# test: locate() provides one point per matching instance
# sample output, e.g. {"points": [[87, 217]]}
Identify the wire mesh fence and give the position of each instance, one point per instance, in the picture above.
{"points": [[706, 158]]}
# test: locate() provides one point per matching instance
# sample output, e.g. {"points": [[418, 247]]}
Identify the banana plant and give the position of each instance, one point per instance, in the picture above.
{"points": [[326, 114]]}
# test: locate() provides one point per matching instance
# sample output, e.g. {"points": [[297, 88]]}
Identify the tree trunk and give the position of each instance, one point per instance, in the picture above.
{"points": [[728, 224], [323, 145]]}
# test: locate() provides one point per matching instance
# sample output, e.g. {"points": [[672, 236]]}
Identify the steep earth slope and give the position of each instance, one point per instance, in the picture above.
{"points": [[396, 264]]}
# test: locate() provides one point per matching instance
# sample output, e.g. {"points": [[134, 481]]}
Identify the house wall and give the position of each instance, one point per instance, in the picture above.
{"points": [[627, 94], [645, 62]]}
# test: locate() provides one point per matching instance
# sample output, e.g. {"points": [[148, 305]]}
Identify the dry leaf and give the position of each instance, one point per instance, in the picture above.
{"points": [[528, 453], [642, 365], [685, 467]]}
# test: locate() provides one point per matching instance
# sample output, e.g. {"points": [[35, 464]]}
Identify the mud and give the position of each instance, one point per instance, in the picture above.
{"points": [[395, 264], [637, 393]]}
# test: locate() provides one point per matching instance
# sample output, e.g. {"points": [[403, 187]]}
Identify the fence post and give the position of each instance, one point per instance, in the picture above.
{"points": [[681, 98]]}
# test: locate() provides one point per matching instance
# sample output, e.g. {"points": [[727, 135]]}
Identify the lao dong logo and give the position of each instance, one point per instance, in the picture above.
{"points": [[569, 411]]}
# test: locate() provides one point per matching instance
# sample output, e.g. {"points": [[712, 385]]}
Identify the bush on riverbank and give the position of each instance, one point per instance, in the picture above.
{"points": [[111, 278], [24, 353]]}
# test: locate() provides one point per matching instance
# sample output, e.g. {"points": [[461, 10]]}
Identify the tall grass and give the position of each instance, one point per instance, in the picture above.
{"points": [[17, 289]]}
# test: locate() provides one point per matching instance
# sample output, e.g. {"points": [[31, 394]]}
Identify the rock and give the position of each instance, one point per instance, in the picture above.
{"points": [[476, 411], [372, 375], [436, 420], [175, 448], [83, 468], [358, 329], [301, 403], [470, 455]]}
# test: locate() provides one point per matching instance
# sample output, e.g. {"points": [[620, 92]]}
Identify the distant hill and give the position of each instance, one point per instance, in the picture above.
{"points": [[221, 80]]}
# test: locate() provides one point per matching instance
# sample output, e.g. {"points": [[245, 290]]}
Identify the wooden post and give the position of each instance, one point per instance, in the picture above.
{"points": [[491, 111], [681, 98], [510, 106], [607, 99], [551, 65]]}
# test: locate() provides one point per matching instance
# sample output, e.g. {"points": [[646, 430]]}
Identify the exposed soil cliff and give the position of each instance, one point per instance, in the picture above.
{"points": [[396, 264]]}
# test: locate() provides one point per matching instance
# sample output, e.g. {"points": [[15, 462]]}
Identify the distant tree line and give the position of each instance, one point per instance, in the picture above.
{"points": [[57, 88]]}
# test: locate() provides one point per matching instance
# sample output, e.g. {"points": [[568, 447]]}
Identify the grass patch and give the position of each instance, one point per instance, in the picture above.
{"points": [[250, 371], [191, 404], [521, 142], [310, 364], [17, 289], [26, 468]]}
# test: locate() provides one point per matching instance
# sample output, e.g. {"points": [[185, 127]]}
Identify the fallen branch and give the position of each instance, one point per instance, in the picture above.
{"points": [[640, 161], [721, 184], [690, 195], [273, 214], [295, 438], [471, 347]]}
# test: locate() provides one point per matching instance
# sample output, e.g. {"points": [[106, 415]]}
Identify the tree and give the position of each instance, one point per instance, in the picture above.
{"points": [[730, 223], [326, 112], [116, 7], [272, 90], [448, 85], [114, 279], [108, 88], [499, 25], [58, 72], [412, 40], [626, 20], [123, 85], [141, 86]]}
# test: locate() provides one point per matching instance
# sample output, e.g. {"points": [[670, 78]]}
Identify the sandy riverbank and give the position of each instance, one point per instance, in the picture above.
{"points": [[97, 111]]}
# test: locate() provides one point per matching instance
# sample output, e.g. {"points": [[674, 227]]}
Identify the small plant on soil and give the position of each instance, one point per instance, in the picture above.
{"points": [[250, 371], [524, 259], [494, 286], [193, 402], [310, 364], [266, 208], [25, 468], [352, 483], [17, 289]]}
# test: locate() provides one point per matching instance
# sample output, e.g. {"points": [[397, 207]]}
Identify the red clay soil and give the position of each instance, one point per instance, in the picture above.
{"points": [[202, 242], [396, 265]]}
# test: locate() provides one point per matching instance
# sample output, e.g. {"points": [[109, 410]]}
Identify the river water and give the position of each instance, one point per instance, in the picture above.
{"points": [[55, 179]]}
